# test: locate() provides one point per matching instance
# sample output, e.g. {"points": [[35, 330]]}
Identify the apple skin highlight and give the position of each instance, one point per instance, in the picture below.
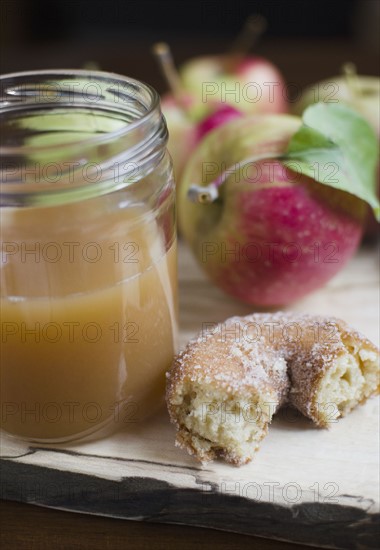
{"points": [[273, 236]]}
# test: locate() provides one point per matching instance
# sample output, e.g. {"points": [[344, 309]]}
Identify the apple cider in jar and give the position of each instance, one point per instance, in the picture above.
{"points": [[88, 254]]}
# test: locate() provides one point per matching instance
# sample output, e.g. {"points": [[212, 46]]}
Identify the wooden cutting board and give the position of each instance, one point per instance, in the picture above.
{"points": [[317, 487]]}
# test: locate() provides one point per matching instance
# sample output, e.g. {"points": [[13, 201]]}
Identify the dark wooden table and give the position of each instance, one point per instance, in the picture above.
{"points": [[28, 527]]}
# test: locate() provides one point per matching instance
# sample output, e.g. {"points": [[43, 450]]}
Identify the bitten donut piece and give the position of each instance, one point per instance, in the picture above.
{"points": [[222, 392], [224, 388], [332, 370]]}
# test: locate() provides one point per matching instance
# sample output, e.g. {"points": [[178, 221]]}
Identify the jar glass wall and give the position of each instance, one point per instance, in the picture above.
{"points": [[88, 244]]}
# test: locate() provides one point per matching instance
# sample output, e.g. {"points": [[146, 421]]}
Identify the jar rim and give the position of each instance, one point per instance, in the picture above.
{"points": [[124, 142], [94, 140]]}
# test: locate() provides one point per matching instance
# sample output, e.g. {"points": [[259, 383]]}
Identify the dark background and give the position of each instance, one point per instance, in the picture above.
{"points": [[48, 20], [308, 39], [45, 20]]}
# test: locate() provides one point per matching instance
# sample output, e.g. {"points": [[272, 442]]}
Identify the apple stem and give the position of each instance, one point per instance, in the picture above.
{"points": [[165, 59], [254, 26], [351, 75], [210, 193]]}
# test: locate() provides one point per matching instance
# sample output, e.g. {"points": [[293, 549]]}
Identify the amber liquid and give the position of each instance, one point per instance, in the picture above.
{"points": [[88, 318]]}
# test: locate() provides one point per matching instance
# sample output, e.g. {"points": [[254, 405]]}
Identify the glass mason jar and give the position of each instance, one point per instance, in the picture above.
{"points": [[88, 246]]}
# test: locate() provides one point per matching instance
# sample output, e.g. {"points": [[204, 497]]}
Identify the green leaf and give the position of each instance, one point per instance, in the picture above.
{"points": [[338, 148]]}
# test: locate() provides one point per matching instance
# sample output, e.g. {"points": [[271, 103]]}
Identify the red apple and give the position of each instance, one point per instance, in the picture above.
{"points": [[253, 85], [269, 236], [250, 83], [214, 89]]}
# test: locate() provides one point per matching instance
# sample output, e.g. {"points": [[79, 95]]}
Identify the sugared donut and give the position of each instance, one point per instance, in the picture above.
{"points": [[224, 388]]}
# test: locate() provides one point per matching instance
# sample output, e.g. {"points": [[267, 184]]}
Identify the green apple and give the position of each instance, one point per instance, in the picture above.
{"points": [[361, 93]]}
